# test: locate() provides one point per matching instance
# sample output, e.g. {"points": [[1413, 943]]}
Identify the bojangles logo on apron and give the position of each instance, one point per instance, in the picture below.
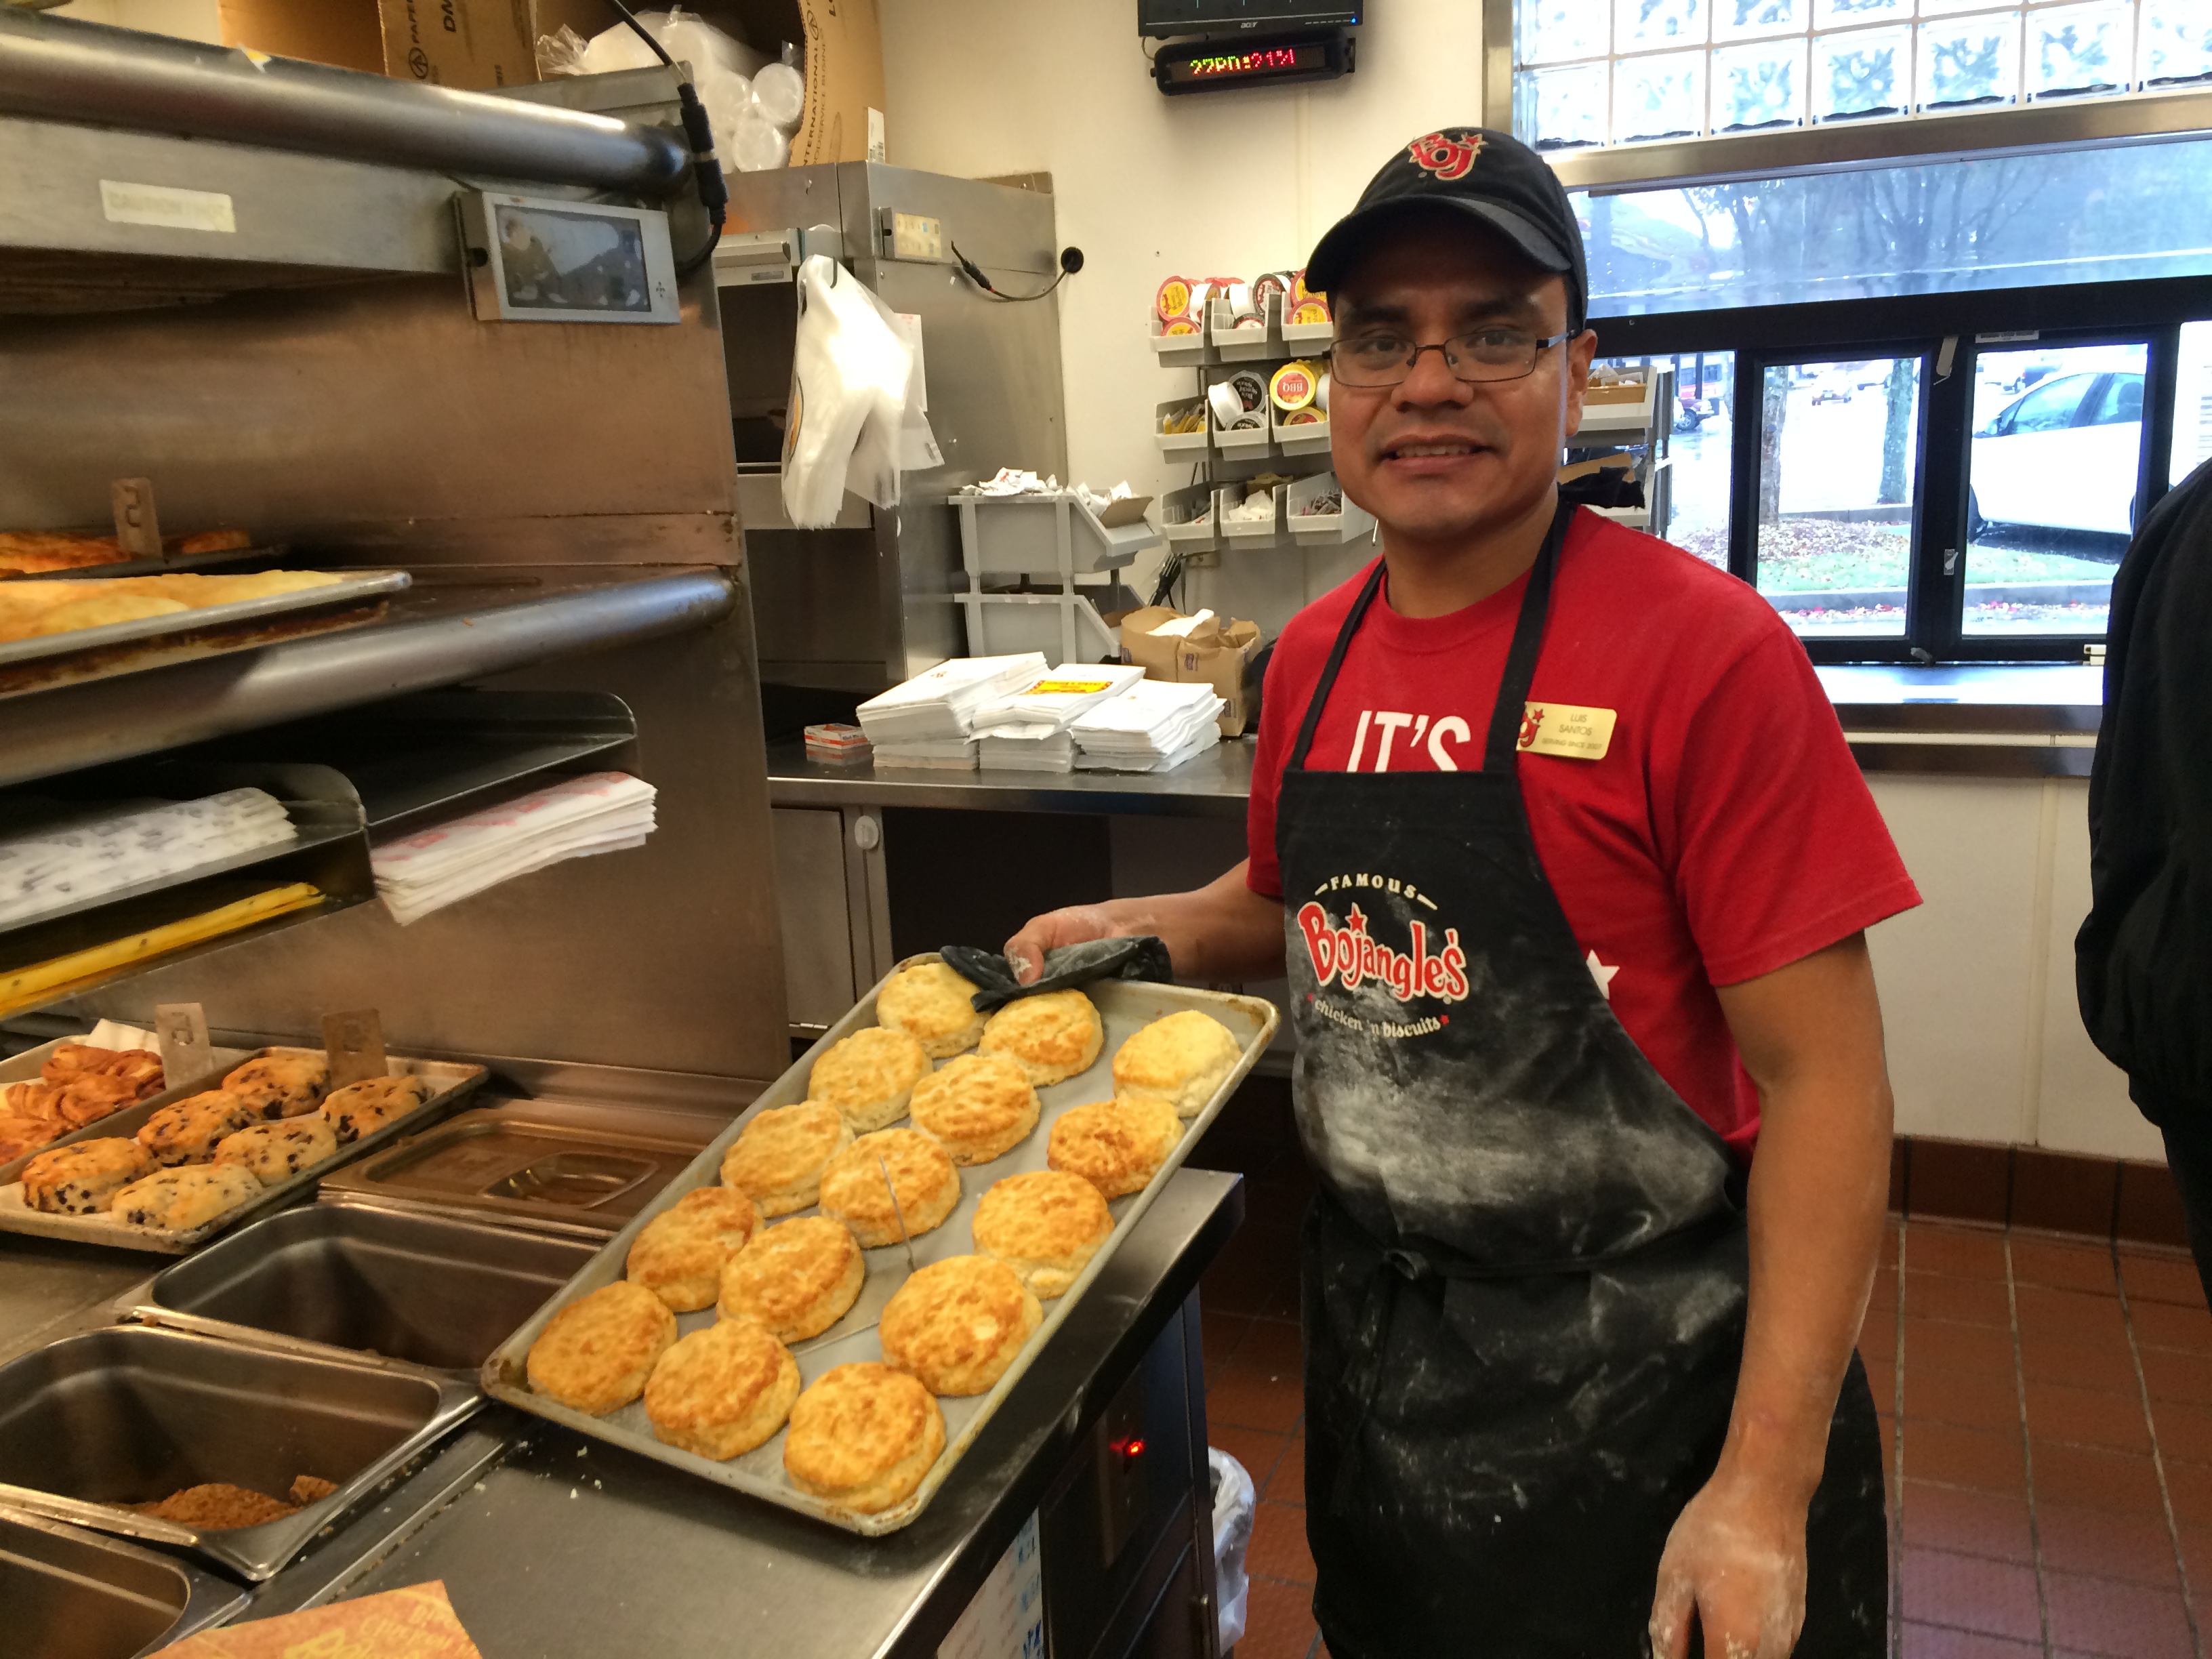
{"points": [[1347, 954]]}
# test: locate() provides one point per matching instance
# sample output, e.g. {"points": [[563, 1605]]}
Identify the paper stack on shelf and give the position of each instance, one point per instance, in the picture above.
{"points": [[928, 720], [929, 754], [1153, 726], [431, 868], [1028, 731], [73, 856]]}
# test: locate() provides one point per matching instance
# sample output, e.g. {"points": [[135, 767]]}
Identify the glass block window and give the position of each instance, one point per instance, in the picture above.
{"points": [[1597, 72]]}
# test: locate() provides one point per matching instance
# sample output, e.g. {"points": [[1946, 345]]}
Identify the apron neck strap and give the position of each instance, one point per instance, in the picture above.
{"points": [[1504, 740], [1520, 659]]}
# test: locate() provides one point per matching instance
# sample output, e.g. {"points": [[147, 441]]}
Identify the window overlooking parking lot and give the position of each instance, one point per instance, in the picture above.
{"points": [[2053, 479]]}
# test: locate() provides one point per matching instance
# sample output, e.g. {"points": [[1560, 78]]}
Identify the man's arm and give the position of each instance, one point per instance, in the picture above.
{"points": [[1810, 1035], [1223, 931]]}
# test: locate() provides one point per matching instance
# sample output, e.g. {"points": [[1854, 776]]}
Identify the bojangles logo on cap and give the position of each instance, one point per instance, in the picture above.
{"points": [[1450, 155]]}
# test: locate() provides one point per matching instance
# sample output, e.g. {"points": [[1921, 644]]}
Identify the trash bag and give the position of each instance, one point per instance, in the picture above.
{"points": [[854, 420], [1235, 1504]]}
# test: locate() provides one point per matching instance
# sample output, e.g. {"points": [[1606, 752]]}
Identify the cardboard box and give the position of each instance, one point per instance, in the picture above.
{"points": [[844, 48], [475, 45], [1216, 652], [480, 45]]}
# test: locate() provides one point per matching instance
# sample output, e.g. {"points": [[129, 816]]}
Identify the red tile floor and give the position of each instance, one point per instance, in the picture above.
{"points": [[2046, 1406]]}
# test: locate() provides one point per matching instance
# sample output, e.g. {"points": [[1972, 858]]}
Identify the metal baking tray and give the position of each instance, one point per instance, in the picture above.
{"points": [[161, 567], [347, 590], [361, 1280], [568, 1167], [130, 1415], [72, 1595], [452, 1081], [25, 1067], [1125, 1006]]}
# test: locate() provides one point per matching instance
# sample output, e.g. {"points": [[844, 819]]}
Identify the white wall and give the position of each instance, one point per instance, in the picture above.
{"points": [[1985, 1038], [1219, 183]]}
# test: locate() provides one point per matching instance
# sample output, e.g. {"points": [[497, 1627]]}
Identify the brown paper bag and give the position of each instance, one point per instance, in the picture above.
{"points": [[1217, 653], [415, 1623]]}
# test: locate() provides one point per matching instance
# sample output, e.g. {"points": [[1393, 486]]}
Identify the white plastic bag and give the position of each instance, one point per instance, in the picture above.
{"points": [[854, 420], [1235, 1504]]}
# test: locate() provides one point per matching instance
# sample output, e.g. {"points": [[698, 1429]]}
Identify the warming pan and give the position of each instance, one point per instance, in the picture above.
{"points": [[130, 1415], [70, 1594], [353, 1279]]}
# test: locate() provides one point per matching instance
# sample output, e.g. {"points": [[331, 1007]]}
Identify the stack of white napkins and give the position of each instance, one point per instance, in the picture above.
{"points": [[1151, 727], [432, 868], [1028, 730], [928, 720], [75, 856]]}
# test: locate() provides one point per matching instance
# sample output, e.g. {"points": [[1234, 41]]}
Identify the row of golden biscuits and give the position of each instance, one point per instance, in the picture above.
{"points": [[864, 1435], [201, 1156], [32, 609]]}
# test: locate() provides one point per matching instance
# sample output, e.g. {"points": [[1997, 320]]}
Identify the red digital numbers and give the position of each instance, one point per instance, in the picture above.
{"points": [[1245, 62]]}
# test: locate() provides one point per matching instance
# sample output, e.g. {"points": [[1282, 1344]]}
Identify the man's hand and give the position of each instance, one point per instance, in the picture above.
{"points": [[1737, 1559], [1810, 1035], [1222, 931], [1077, 924]]}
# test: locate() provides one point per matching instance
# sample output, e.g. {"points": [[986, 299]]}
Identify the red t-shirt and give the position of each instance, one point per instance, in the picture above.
{"points": [[1725, 833]]}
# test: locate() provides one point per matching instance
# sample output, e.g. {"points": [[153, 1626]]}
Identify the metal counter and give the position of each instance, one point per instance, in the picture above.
{"points": [[2021, 720], [1213, 786], [550, 1543]]}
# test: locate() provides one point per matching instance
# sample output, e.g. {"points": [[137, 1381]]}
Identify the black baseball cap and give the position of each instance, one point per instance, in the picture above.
{"points": [[1492, 177]]}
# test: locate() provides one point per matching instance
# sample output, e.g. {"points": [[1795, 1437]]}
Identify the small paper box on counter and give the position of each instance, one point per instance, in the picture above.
{"points": [[1214, 653]]}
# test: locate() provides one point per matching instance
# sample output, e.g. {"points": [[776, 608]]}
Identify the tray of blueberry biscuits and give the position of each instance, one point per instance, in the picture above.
{"points": [[170, 1175], [828, 1305]]}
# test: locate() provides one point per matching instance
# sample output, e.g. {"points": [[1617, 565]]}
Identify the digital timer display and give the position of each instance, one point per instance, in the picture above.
{"points": [[1238, 65]]}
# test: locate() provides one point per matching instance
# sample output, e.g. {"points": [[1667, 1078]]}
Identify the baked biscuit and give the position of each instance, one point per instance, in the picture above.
{"points": [[922, 1174], [363, 1107], [1179, 1060], [955, 1325], [281, 1085], [277, 1151], [722, 1391], [778, 1160], [868, 1075], [595, 1354], [83, 1179], [863, 1437], [680, 1254], [1117, 1146], [1045, 1224], [934, 1005], [189, 1131], [796, 1280], [180, 1200], [980, 1106], [1051, 1036]]}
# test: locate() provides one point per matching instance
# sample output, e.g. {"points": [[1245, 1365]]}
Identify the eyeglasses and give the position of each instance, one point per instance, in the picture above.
{"points": [[1490, 354]]}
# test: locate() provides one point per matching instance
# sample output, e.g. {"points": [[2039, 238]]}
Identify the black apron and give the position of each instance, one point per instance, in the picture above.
{"points": [[1525, 1271]]}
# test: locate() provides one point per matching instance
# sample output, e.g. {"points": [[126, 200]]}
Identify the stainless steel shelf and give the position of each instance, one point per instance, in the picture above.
{"points": [[453, 626], [1216, 785]]}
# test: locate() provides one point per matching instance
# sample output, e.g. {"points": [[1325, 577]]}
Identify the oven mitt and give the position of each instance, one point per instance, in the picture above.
{"points": [[1065, 967]]}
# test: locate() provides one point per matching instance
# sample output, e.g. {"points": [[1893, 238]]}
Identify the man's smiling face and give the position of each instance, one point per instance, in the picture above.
{"points": [[1437, 459]]}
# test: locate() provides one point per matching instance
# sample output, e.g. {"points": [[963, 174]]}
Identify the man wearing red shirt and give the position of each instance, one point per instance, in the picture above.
{"points": [[1569, 864]]}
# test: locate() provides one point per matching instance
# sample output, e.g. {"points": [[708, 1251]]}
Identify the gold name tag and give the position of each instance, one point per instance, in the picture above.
{"points": [[1552, 728]]}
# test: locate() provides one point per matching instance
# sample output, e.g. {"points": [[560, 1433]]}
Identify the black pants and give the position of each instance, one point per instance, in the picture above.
{"points": [[2189, 1155]]}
